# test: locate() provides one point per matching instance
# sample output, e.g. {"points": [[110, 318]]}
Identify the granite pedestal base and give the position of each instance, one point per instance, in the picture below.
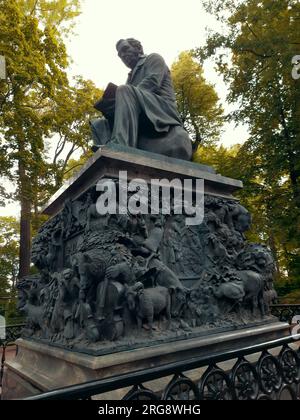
{"points": [[198, 289], [38, 368]]}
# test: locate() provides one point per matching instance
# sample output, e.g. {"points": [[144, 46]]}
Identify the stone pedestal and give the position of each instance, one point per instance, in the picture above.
{"points": [[39, 368], [97, 274], [109, 161]]}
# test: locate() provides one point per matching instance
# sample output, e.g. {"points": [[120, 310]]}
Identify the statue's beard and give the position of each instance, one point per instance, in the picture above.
{"points": [[130, 60]]}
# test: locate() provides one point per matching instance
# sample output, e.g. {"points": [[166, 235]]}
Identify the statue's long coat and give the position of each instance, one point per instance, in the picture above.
{"points": [[155, 91], [153, 86]]}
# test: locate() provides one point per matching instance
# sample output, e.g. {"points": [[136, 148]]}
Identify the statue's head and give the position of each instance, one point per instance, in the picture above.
{"points": [[242, 219], [129, 50]]}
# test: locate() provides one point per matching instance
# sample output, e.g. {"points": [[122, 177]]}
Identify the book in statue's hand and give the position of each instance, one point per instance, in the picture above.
{"points": [[106, 103], [110, 91]]}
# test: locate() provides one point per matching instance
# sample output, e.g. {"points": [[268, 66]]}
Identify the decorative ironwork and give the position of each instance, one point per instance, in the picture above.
{"points": [[270, 373], [272, 377], [216, 385], [140, 393], [290, 365], [12, 333], [264, 397], [285, 313], [245, 381], [181, 388], [286, 393]]}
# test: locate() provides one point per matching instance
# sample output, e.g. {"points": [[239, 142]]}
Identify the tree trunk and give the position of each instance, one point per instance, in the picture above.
{"points": [[25, 224], [293, 172], [274, 250]]}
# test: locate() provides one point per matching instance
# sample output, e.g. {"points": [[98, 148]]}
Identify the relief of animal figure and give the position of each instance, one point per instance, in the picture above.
{"points": [[249, 288], [30, 304], [165, 276], [90, 268], [146, 304], [270, 298], [179, 300], [34, 316]]}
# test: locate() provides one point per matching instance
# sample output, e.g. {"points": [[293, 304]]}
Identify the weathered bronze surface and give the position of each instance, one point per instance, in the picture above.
{"points": [[143, 112], [121, 281]]}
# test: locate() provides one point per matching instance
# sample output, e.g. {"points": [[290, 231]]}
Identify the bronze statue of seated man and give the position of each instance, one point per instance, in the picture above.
{"points": [[143, 112]]}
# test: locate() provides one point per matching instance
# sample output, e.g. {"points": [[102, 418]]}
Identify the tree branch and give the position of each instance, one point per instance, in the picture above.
{"points": [[71, 151], [59, 148], [73, 167], [253, 52], [34, 7], [251, 30]]}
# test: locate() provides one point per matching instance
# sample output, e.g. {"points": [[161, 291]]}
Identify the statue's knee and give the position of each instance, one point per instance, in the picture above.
{"points": [[123, 90]]}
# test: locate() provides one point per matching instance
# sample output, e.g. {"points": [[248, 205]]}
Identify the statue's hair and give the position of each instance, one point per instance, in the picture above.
{"points": [[133, 42]]}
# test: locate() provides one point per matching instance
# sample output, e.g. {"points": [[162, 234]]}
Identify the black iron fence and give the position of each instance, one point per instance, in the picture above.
{"points": [[273, 375], [286, 312], [12, 333], [268, 371]]}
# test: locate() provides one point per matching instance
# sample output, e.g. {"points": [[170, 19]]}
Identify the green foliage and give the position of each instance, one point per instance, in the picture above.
{"points": [[261, 37], [43, 118], [197, 100], [9, 255], [267, 205], [52, 13], [76, 165], [70, 126], [36, 61], [37, 102], [221, 158], [291, 298]]}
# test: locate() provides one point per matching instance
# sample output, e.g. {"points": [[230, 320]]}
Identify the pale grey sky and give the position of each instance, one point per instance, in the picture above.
{"points": [[163, 26]]}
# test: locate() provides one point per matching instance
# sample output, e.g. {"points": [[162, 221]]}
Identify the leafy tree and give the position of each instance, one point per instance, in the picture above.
{"points": [[221, 158], [75, 165], [9, 255], [31, 41], [266, 203], [52, 13], [254, 55], [70, 132], [197, 100]]}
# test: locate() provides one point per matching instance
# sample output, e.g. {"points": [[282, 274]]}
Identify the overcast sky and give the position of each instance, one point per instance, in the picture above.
{"points": [[163, 26]]}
